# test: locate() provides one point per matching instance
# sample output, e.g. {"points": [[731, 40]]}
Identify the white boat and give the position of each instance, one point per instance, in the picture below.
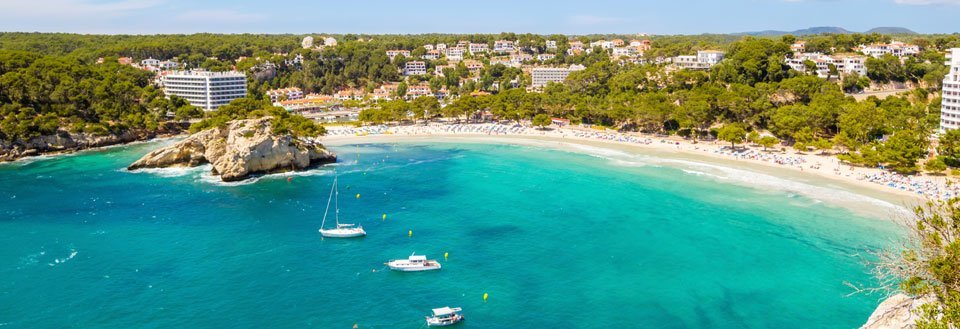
{"points": [[445, 316], [341, 230], [414, 263]]}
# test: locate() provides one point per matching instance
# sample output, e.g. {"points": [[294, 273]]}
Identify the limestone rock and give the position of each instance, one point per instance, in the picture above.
{"points": [[896, 312], [241, 149]]}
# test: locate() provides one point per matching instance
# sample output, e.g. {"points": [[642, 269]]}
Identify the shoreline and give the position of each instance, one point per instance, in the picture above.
{"points": [[818, 171]]}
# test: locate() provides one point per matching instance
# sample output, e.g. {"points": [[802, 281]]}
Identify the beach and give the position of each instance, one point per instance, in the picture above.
{"points": [[811, 168]]}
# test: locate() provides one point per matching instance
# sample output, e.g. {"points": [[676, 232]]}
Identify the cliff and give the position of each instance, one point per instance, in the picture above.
{"points": [[238, 150], [64, 141], [896, 312]]}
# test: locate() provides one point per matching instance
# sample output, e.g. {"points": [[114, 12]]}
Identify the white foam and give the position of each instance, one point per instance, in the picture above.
{"points": [[171, 171]]}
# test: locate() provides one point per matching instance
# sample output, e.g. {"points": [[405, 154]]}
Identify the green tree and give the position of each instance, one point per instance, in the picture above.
{"points": [[768, 141], [733, 133], [541, 120]]}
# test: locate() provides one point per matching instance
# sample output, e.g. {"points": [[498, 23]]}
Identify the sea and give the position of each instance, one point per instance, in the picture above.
{"points": [[576, 238]]}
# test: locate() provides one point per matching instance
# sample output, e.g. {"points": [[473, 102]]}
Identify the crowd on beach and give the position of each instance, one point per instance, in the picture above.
{"points": [[926, 186]]}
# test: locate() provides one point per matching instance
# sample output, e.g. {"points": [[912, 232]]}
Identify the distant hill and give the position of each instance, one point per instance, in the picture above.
{"points": [[829, 29], [891, 30]]}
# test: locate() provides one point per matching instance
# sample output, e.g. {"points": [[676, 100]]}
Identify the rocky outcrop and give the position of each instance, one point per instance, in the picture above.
{"points": [[64, 141], [896, 312], [241, 149]]}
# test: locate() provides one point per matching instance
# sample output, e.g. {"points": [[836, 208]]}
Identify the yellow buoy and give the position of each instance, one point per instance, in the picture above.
{"points": [[445, 255], [410, 233], [384, 216], [485, 296], [358, 195]]}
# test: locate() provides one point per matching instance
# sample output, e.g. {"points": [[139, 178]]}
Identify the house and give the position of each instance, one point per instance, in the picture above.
{"points": [[551, 44], [329, 42], [710, 57], [428, 47], [624, 52], [431, 55], [276, 95], [504, 46], [545, 57], [455, 53], [438, 70], [474, 66], [394, 53], [799, 47], [476, 48], [150, 62], [419, 90], [307, 42], [640, 45], [617, 42], [518, 59], [415, 68], [349, 94], [169, 65], [441, 47]]}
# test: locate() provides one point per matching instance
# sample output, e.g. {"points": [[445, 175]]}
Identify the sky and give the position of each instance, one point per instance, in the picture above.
{"points": [[486, 16]]}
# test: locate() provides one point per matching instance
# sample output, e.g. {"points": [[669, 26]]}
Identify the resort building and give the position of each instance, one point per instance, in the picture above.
{"points": [[207, 90], [544, 75], [950, 105], [476, 48], [394, 53], [415, 68], [895, 48], [504, 46], [844, 64], [286, 94]]}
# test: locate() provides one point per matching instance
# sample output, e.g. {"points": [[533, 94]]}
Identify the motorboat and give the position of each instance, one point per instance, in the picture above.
{"points": [[414, 263], [445, 316]]}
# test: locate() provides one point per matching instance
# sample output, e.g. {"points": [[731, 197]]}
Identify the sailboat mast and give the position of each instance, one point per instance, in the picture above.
{"points": [[337, 202], [325, 211]]}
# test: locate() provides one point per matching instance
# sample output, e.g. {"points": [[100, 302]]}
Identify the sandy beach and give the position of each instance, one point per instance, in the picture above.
{"points": [[820, 171]]}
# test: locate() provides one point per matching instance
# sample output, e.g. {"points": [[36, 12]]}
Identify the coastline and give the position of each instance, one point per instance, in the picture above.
{"points": [[821, 172]]}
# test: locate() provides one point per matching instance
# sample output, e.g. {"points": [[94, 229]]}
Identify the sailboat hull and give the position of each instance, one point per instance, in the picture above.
{"points": [[343, 233]]}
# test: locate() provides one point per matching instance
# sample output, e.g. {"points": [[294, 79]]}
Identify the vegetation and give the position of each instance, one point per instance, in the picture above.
{"points": [[245, 108]]}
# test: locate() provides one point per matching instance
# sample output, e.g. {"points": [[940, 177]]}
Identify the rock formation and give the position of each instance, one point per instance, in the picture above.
{"points": [[65, 141], [896, 312], [242, 148]]}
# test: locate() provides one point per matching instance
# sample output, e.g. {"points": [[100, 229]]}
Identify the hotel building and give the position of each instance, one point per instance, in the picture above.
{"points": [[207, 90], [950, 105]]}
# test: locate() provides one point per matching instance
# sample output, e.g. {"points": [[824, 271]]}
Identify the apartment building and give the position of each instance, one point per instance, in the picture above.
{"points": [[277, 95], [415, 68], [207, 90], [950, 105], [895, 48], [844, 64]]}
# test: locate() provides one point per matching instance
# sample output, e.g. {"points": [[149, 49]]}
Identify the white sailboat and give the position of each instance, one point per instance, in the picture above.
{"points": [[342, 230]]}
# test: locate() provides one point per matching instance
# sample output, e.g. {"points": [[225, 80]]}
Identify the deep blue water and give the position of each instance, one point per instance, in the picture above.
{"points": [[557, 240]]}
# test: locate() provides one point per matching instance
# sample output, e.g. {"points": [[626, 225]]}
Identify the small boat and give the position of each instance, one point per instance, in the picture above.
{"points": [[445, 316], [342, 230], [414, 263]]}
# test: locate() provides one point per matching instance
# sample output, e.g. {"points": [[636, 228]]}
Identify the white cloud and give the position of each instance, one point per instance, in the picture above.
{"points": [[72, 8], [928, 2], [593, 20], [222, 16]]}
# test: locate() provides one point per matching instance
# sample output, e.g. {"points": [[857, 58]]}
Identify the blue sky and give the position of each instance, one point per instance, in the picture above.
{"points": [[485, 16]]}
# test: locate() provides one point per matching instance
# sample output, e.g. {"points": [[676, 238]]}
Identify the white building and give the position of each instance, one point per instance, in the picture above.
{"points": [[479, 48], [504, 46], [455, 53], [545, 57], [702, 61], [950, 105], [431, 54], [551, 44], [544, 75], [169, 65], [291, 94], [329, 42], [415, 68], [150, 62], [710, 57], [895, 48], [307, 42], [394, 53], [207, 90], [843, 64]]}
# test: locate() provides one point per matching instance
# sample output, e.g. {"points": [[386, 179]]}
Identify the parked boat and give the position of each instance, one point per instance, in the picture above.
{"points": [[445, 316], [414, 263], [342, 230]]}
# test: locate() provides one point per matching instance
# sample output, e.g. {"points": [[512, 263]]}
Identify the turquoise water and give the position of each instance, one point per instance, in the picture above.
{"points": [[557, 240]]}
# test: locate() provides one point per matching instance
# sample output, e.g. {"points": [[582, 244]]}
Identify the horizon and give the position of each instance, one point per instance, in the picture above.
{"points": [[150, 17]]}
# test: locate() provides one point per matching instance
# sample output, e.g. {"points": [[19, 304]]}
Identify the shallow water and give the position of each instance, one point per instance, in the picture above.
{"points": [[557, 239]]}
